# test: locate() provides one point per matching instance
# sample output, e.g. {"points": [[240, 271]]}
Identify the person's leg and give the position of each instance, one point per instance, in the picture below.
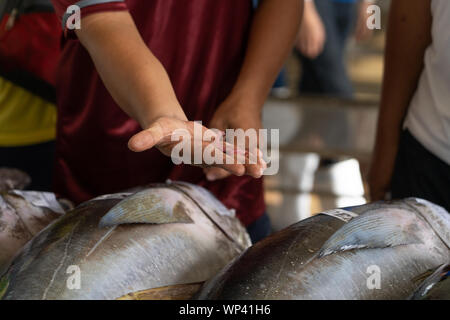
{"points": [[418, 173], [327, 73], [260, 229], [280, 88], [36, 161], [345, 15], [312, 77], [309, 82], [281, 80]]}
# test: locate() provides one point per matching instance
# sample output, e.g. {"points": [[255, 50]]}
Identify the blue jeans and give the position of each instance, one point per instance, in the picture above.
{"points": [[327, 74], [260, 229], [281, 80]]}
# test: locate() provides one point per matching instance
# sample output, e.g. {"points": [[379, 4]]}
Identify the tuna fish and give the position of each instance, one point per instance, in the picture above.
{"points": [[23, 214], [436, 286], [13, 179], [168, 234], [374, 251]]}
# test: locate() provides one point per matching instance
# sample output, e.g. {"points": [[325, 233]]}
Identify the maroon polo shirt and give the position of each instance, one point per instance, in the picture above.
{"points": [[201, 43]]}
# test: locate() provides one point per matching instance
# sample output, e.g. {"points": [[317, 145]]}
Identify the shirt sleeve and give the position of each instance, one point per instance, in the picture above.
{"points": [[87, 7]]}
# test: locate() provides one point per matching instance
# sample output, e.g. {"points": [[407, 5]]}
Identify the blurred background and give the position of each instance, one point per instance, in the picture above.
{"points": [[326, 140]]}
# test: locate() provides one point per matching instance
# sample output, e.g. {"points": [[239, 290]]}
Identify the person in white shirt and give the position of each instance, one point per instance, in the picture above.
{"points": [[412, 152]]}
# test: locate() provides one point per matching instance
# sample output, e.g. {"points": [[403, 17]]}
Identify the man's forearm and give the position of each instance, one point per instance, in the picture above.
{"points": [[408, 36], [132, 74], [273, 32]]}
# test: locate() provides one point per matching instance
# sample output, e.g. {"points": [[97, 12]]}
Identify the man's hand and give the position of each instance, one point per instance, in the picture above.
{"points": [[234, 114], [312, 35], [161, 133], [380, 176]]}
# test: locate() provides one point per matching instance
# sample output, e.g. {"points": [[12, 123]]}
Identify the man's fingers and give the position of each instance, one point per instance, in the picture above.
{"points": [[214, 173], [224, 160], [236, 169], [251, 158], [256, 170], [246, 162], [252, 164]]}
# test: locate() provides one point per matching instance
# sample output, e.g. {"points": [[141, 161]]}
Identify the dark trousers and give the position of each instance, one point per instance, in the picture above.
{"points": [[36, 160], [419, 173], [260, 229], [327, 74], [281, 80]]}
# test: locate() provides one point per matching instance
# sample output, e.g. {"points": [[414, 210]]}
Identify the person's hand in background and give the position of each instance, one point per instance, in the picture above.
{"points": [[312, 34], [362, 32]]}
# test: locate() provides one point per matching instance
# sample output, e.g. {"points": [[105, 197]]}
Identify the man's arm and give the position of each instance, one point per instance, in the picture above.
{"points": [[408, 36], [139, 83], [272, 36], [132, 74]]}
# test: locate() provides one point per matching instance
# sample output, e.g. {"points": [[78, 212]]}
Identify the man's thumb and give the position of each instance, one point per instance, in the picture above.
{"points": [[146, 139]]}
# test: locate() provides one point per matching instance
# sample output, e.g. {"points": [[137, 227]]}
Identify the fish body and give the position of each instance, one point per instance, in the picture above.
{"points": [[23, 214], [376, 252], [11, 179], [110, 246]]}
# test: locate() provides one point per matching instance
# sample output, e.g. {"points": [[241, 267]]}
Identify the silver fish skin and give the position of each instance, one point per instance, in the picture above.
{"points": [[376, 255], [11, 179], [124, 243], [436, 286], [23, 214]]}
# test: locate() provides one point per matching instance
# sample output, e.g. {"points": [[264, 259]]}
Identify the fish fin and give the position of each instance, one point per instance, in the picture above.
{"points": [[431, 279], [152, 206], [216, 212], [423, 276], [376, 229]]}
